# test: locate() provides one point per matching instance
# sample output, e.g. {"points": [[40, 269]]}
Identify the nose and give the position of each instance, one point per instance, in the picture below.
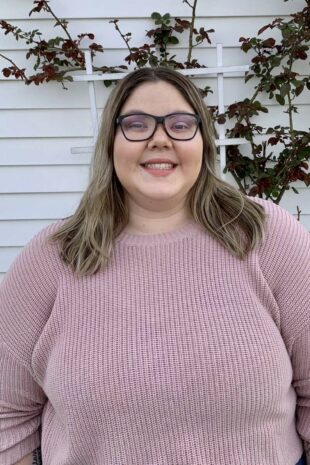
{"points": [[160, 138]]}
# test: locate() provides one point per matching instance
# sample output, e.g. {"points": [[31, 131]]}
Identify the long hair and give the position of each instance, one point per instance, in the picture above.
{"points": [[87, 237]]}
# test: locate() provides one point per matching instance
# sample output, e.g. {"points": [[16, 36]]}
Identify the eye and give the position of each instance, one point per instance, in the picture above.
{"points": [[181, 123], [135, 123]]}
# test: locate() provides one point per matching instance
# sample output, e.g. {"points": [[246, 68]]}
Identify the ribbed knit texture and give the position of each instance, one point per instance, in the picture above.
{"points": [[177, 354]]}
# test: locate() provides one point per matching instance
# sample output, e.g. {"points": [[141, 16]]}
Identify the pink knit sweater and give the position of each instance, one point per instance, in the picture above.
{"points": [[176, 354]]}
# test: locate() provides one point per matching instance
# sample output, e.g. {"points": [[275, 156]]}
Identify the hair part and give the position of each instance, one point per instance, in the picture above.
{"points": [[87, 236]]}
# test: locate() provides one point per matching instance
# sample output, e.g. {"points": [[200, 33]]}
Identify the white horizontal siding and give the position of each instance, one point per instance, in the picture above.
{"points": [[290, 201], [15, 234], [77, 122], [305, 220], [43, 151], [18, 233], [232, 55], [7, 255], [30, 179], [119, 8], [36, 206], [52, 96], [11, 244], [225, 28], [40, 180]]}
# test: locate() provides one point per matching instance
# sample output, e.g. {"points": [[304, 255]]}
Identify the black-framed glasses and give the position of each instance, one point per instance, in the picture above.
{"points": [[137, 127]]}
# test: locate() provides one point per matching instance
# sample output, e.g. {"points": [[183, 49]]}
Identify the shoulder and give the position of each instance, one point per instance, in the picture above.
{"points": [[284, 259], [28, 292], [280, 224], [271, 209], [40, 252], [36, 271], [42, 239], [284, 253]]}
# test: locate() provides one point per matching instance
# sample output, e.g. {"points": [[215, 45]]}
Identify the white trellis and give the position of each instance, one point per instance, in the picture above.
{"points": [[220, 71]]}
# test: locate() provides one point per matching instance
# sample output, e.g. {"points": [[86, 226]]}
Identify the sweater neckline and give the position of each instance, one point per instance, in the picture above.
{"points": [[176, 235]]}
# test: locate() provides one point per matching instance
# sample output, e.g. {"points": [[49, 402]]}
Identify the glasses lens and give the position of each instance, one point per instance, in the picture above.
{"points": [[181, 125], [138, 127]]}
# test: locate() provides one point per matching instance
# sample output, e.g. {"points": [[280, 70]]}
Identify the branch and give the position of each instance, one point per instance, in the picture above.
{"points": [[290, 109], [238, 181], [123, 36], [58, 20], [282, 192], [298, 219], [8, 59], [21, 71], [190, 40]]}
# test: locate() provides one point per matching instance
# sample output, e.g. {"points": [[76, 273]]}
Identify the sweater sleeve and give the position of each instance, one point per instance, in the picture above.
{"points": [[285, 262], [27, 295], [21, 405], [300, 356]]}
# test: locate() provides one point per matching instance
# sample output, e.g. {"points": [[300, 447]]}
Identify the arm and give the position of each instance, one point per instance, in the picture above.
{"points": [[285, 259], [34, 458], [21, 403], [27, 296], [306, 445]]}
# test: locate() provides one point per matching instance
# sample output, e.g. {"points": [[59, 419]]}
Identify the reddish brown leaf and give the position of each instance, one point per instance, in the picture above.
{"points": [[6, 72], [268, 43]]}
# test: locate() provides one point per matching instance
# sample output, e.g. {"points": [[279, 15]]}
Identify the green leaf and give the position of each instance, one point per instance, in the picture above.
{"points": [[275, 193], [286, 31], [295, 82], [155, 15], [284, 89], [173, 40], [299, 90], [166, 17], [280, 99], [276, 61]]}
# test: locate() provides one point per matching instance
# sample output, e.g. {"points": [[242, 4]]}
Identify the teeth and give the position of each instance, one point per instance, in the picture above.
{"points": [[159, 166]]}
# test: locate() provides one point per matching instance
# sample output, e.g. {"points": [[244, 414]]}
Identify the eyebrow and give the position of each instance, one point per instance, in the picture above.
{"points": [[135, 111]]}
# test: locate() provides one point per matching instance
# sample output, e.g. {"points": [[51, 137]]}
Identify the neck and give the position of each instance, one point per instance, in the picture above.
{"points": [[143, 221]]}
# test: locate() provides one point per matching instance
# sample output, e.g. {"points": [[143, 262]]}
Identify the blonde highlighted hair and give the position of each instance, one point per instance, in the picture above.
{"points": [[87, 236]]}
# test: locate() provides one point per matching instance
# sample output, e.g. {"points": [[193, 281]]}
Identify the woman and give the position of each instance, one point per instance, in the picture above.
{"points": [[167, 321]]}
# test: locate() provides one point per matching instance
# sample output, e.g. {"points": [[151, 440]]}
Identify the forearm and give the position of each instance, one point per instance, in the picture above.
{"points": [[34, 458], [306, 445]]}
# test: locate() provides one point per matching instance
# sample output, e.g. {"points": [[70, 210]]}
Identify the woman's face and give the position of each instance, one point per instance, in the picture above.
{"points": [[157, 187]]}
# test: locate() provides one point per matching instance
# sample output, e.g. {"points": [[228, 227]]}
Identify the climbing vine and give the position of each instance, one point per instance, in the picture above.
{"points": [[279, 154]]}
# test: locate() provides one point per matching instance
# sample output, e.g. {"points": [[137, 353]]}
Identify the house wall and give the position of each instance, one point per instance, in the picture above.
{"points": [[40, 179]]}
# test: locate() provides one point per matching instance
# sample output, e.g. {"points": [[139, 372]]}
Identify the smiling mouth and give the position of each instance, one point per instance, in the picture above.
{"points": [[159, 166]]}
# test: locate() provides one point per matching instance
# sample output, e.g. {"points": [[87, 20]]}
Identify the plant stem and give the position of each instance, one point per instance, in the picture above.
{"points": [[58, 21], [123, 37], [279, 198], [290, 111], [23, 76], [190, 40], [238, 181], [290, 115], [298, 213]]}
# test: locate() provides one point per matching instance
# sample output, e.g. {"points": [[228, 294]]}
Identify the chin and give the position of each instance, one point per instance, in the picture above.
{"points": [[160, 196]]}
